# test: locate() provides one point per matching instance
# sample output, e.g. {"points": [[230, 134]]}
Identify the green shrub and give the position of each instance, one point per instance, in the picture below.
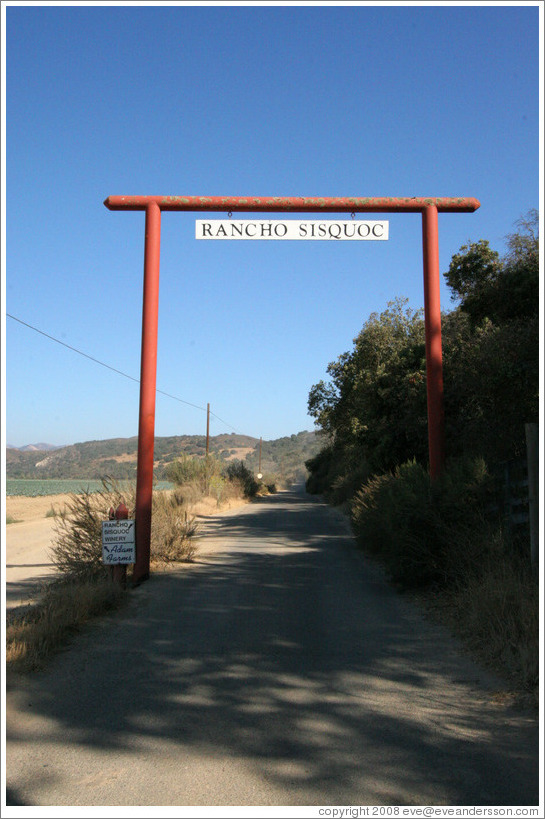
{"points": [[266, 487], [424, 532], [173, 530], [183, 470], [346, 485], [237, 471], [319, 469], [190, 493], [77, 542], [437, 535], [337, 472], [217, 487], [197, 472]]}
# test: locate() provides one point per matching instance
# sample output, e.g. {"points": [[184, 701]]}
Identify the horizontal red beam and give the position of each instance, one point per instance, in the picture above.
{"points": [[303, 204]]}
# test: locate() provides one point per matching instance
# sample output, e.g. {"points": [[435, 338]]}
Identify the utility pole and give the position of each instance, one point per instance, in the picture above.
{"points": [[207, 429], [259, 473]]}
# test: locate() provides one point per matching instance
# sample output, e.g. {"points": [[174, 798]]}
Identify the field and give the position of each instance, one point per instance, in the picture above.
{"points": [[33, 488]]}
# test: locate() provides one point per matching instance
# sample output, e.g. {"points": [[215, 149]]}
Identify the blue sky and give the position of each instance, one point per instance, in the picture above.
{"points": [[311, 100]]}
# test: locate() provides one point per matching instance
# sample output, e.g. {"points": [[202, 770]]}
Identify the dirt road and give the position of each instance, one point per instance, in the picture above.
{"points": [[280, 669], [28, 562], [29, 539]]}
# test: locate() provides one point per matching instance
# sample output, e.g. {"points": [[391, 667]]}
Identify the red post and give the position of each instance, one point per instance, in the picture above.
{"points": [[434, 353], [303, 204], [428, 206], [148, 372]]}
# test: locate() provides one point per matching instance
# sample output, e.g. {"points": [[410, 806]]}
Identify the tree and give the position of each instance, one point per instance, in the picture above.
{"points": [[488, 287], [491, 345], [524, 245], [374, 406]]}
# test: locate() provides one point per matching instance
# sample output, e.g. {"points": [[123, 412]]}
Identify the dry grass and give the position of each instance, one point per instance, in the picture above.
{"points": [[173, 531], [495, 613], [77, 543], [84, 589], [437, 543], [63, 609]]}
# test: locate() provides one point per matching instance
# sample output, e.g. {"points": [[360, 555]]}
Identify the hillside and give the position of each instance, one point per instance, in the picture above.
{"points": [[116, 457], [34, 447]]}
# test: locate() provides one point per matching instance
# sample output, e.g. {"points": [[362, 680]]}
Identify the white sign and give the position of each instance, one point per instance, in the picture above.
{"points": [[331, 230], [118, 542]]}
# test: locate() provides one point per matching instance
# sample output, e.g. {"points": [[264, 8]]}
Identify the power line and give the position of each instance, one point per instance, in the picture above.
{"points": [[90, 357], [225, 422], [113, 369]]}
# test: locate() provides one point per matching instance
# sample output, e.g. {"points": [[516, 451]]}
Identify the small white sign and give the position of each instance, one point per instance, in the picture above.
{"points": [[331, 230], [118, 542]]}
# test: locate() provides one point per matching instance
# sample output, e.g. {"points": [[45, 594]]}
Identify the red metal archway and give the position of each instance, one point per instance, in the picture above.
{"points": [[429, 207]]}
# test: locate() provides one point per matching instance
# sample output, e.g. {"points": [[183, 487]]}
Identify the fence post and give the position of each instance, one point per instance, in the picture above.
{"points": [[532, 454]]}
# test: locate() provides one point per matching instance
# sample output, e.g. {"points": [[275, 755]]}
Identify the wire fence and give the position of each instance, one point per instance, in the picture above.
{"points": [[516, 501]]}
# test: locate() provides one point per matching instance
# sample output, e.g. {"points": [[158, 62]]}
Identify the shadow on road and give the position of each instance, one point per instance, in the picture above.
{"points": [[289, 652], [12, 798], [23, 591]]}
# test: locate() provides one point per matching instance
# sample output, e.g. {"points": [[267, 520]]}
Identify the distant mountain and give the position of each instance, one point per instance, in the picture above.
{"points": [[35, 447], [116, 457]]}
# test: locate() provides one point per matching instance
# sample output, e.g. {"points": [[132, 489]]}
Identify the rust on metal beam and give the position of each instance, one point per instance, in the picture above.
{"points": [[302, 204]]}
